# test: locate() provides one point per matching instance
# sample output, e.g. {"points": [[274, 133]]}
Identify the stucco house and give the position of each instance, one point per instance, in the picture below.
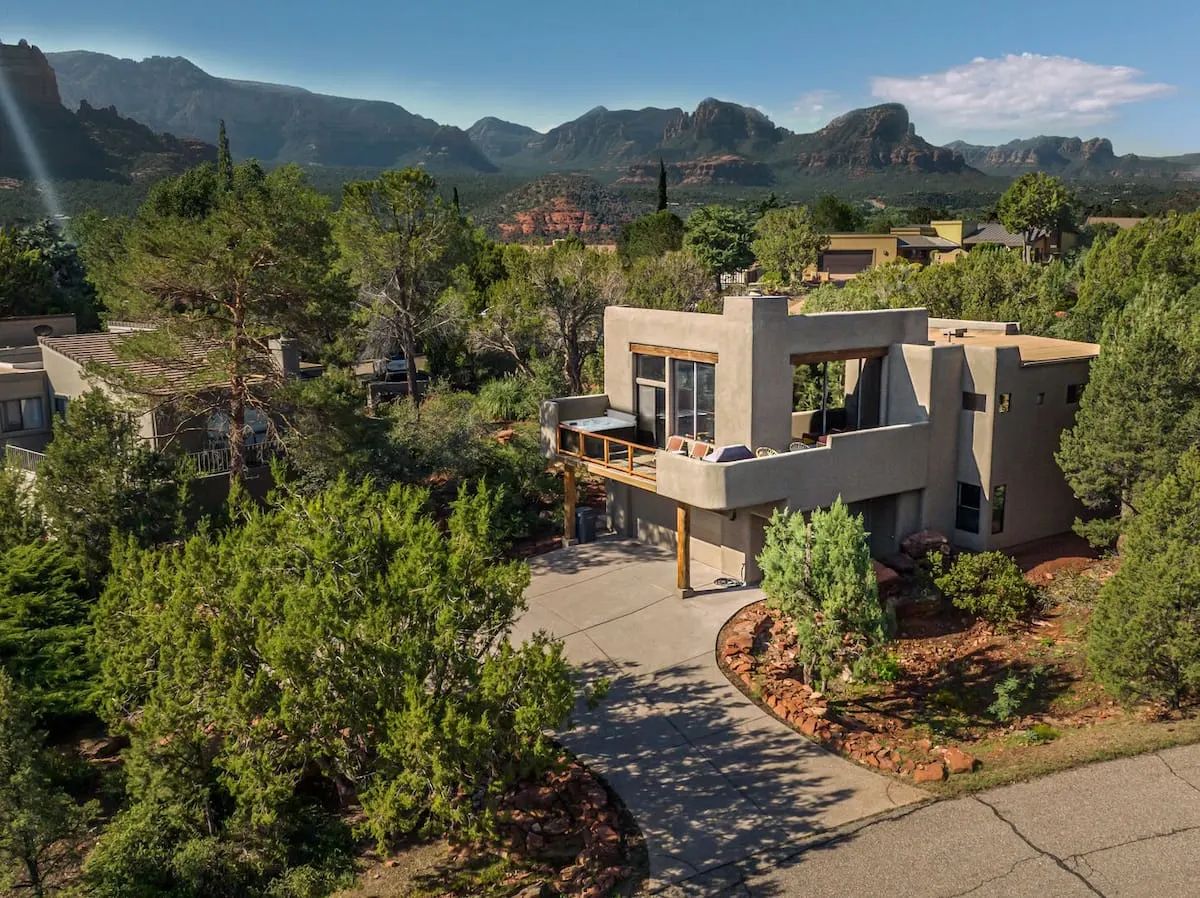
{"points": [[950, 425], [940, 241]]}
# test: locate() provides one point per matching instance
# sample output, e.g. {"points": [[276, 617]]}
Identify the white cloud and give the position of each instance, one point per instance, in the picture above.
{"points": [[1024, 90], [814, 102]]}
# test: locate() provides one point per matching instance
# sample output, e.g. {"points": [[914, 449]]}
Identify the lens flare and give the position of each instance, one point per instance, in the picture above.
{"points": [[28, 147]]}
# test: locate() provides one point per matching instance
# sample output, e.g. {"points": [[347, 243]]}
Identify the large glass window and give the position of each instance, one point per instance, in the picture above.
{"points": [[22, 414], [652, 367], [694, 392], [970, 499]]}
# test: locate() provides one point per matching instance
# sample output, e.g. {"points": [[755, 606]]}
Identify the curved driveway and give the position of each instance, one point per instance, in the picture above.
{"points": [[710, 778]]}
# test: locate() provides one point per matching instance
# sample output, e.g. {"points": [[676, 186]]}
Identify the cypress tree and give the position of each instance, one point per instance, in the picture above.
{"points": [[224, 160], [662, 185], [454, 201]]}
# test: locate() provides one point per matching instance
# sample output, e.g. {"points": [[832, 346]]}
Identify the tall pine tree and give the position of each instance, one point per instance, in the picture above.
{"points": [[662, 185], [224, 160]]}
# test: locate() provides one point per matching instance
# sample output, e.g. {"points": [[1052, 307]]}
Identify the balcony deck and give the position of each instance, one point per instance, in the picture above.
{"points": [[608, 456]]}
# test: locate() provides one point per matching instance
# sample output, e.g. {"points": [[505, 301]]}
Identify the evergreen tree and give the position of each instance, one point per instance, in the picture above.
{"points": [[650, 235], [224, 160], [720, 238], [38, 821], [662, 185], [1140, 410], [786, 242], [1144, 637], [820, 575], [454, 201]]}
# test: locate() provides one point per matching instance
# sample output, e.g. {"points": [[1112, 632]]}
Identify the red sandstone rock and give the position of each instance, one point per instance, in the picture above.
{"points": [[929, 773], [958, 760]]}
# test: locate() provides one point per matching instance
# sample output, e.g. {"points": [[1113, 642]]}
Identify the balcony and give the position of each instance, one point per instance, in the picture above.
{"points": [[857, 465], [19, 459], [602, 439]]}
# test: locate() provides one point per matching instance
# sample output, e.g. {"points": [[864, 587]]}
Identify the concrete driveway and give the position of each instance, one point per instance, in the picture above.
{"points": [[710, 778]]}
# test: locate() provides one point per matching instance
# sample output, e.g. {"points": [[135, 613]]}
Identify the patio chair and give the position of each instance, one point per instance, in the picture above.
{"points": [[699, 450], [764, 452], [676, 444]]}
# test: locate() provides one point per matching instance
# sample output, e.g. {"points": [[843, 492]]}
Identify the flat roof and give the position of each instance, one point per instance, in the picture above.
{"points": [[1033, 350]]}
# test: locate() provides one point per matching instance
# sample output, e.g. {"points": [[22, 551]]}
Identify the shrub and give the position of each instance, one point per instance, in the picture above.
{"points": [[505, 399], [989, 585], [1012, 693], [820, 575]]}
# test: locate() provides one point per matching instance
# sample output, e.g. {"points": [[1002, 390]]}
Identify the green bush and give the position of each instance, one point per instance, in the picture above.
{"points": [[505, 399], [1012, 693], [989, 585], [820, 575]]}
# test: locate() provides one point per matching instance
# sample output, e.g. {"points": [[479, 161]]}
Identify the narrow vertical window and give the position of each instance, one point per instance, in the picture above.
{"points": [[999, 496]]}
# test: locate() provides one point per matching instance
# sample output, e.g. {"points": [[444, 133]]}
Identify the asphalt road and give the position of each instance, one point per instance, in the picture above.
{"points": [[1121, 828]]}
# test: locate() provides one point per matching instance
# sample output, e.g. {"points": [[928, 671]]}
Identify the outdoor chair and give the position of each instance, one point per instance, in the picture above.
{"points": [[699, 450], [764, 452], [676, 444]]}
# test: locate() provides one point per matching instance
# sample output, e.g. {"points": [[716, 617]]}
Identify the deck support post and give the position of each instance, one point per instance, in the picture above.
{"points": [[570, 491], [683, 553]]}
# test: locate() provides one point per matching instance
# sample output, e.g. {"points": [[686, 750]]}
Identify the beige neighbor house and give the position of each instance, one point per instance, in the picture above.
{"points": [[950, 425], [44, 365]]}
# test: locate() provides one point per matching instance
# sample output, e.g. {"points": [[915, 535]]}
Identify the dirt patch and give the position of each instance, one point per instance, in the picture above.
{"points": [[964, 697], [568, 835]]}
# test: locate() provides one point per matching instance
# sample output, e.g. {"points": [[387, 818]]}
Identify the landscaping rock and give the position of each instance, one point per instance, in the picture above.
{"points": [[899, 562], [918, 545], [958, 760], [929, 773], [739, 643], [537, 890], [886, 578]]}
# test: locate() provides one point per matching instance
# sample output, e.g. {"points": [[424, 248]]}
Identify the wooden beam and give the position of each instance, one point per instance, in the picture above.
{"points": [[687, 355], [683, 553], [838, 355], [569, 494]]}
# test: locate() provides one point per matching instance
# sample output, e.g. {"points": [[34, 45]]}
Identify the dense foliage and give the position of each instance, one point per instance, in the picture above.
{"points": [[42, 274], [343, 645], [787, 241], [1144, 638], [820, 575]]}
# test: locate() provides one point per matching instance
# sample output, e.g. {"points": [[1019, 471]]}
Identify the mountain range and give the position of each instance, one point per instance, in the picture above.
{"points": [[87, 143], [717, 143]]}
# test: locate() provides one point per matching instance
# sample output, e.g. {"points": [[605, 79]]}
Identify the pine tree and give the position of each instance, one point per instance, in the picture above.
{"points": [[224, 160], [662, 185], [35, 816], [454, 201], [1144, 638]]}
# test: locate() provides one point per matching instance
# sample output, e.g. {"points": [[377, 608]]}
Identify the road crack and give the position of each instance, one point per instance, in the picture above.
{"points": [[1058, 861]]}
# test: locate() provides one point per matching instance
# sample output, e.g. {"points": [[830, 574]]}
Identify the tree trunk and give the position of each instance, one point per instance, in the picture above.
{"points": [[237, 431], [409, 348]]}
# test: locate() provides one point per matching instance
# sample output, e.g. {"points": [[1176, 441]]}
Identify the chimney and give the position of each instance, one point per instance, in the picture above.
{"points": [[286, 353]]}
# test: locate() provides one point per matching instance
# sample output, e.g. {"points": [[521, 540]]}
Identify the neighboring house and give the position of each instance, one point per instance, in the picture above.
{"points": [[51, 368], [945, 424], [942, 241]]}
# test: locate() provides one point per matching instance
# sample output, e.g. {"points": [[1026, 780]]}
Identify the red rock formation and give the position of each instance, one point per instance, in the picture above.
{"points": [[558, 217], [28, 74], [728, 169]]}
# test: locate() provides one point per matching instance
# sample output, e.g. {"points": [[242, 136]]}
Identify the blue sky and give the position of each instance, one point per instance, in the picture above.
{"points": [[984, 72]]}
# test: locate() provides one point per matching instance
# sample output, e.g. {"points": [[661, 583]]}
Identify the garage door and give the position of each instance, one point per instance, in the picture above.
{"points": [[844, 261]]}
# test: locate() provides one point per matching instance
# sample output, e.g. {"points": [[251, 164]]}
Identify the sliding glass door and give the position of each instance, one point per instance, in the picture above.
{"points": [[694, 402]]}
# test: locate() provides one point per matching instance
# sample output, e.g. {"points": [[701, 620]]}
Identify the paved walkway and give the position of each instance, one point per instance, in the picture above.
{"points": [[710, 778], [1122, 828]]}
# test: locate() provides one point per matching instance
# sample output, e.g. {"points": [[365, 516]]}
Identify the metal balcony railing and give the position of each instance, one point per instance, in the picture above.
{"points": [[23, 459]]}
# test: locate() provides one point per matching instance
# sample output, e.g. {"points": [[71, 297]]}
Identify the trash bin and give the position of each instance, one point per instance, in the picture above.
{"points": [[585, 525]]}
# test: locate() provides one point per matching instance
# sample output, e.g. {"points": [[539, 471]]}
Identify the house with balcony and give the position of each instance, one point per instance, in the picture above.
{"points": [[950, 425]]}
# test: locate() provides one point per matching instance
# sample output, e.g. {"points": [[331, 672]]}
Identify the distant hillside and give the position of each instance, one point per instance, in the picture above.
{"points": [[1068, 157], [556, 206], [498, 139], [271, 122], [91, 143]]}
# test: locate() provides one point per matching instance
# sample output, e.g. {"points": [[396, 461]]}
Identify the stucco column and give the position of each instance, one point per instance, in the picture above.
{"points": [[683, 549], [569, 493]]}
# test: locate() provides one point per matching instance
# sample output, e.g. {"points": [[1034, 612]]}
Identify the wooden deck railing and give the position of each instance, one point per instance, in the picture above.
{"points": [[608, 452]]}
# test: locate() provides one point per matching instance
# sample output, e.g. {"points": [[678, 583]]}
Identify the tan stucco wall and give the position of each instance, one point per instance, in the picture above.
{"points": [[1039, 501], [884, 248], [26, 385], [67, 378], [754, 340], [953, 230], [19, 331]]}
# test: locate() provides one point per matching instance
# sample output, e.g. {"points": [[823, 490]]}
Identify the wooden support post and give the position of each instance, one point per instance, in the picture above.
{"points": [[569, 494], [683, 552]]}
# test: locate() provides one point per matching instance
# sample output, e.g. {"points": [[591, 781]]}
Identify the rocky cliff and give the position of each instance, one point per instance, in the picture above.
{"points": [[1068, 157], [730, 170], [87, 144], [869, 140], [498, 139], [558, 206]]}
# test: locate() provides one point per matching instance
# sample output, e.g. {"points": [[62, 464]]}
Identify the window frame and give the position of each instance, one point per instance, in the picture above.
{"points": [[6, 418], [1074, 393], [999, 501], [960, 507], [674, 391]]}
